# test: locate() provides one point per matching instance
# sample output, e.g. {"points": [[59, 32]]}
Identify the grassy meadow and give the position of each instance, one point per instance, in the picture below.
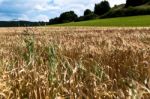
{"points": [[76, 62], [130, 21]]}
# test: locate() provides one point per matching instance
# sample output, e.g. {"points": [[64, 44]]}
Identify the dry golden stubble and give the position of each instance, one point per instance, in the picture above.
{"points": [[75, 62]]}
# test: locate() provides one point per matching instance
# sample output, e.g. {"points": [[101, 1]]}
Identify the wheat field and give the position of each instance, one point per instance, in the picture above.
{"points": [[75, 63]]}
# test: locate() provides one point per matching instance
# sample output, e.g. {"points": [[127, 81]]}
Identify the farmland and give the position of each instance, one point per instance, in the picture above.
{"points": [[131, 21], [75, 62]]}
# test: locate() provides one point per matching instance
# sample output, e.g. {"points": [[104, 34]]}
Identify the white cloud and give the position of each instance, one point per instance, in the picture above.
{"points": [[80, 5], [24, 17], [43, 17], [42, 10], [114, 2]]}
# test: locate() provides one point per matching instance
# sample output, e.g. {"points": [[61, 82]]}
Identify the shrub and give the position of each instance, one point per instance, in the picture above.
{"points": [[87, 12], [54, 21], [87, 17], [68, 17]]}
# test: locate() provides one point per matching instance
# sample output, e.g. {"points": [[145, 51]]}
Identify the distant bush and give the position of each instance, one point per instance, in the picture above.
{"points": [[54, 21], [87, 12], [68, 17], [87, 17], [101, 8], [64, 18]]}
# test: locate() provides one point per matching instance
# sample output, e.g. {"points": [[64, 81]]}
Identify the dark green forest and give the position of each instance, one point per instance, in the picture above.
{"points": [[21, 23]]}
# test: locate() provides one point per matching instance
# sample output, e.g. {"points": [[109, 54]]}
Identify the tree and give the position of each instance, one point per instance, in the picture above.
{"points": [[87, 12], [101, 8], [54, 21], [68, 17], [135, 2]]}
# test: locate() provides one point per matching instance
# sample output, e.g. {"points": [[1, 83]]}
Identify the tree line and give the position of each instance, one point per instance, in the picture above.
{"points": [[101, 10], [71, 16], [21, 23]]}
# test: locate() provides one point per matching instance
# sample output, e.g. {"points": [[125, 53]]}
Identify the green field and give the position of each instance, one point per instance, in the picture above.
{"points": [[121, 21]]}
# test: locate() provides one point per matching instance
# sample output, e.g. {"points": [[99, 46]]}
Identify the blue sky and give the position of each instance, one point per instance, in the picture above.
{"points": [[43, 10]]}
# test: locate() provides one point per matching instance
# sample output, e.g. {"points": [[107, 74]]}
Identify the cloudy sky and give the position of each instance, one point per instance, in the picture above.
{"points": [[43, 10]]}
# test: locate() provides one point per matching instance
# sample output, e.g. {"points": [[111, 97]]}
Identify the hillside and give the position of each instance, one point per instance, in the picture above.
{"points": [[122, 11], [120, 21]]}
